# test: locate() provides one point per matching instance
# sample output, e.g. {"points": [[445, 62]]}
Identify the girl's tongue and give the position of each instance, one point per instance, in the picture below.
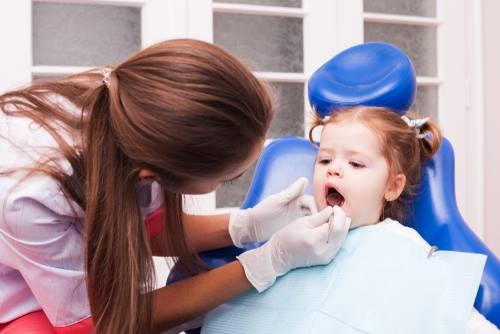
{"points": [[333, 197]]}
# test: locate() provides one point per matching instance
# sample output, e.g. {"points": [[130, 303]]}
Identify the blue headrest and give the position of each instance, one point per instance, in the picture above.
{"points": [[372, 74]]}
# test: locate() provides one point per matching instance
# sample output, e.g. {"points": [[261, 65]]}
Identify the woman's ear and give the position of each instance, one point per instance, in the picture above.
{"points": [[147, 174], [395, 187]]}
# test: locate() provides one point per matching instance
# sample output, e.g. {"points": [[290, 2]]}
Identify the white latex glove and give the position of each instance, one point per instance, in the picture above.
{"points": [[308, 241], [269, 216]]}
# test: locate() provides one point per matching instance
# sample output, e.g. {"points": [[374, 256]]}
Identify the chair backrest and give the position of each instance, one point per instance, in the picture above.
{"points": [[434, 214], [380, 74]]}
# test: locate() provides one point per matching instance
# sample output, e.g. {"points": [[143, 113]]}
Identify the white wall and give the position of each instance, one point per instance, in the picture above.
{"points": [[491, 61]]}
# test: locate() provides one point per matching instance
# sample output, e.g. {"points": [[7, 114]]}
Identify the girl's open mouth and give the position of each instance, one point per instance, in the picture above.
{"points": [[333, 197]]}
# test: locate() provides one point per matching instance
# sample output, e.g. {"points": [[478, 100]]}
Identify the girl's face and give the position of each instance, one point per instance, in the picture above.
{"points": [[351, 172]]}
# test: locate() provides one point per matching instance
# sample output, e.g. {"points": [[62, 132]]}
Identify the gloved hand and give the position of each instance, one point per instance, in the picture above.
{"points": [[308, 241], [262, 221]]}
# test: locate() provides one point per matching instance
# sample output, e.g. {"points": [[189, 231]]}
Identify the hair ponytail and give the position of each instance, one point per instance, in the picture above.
{"points": [[185, 110], [431, 142], [118, 257], [316, 121]]}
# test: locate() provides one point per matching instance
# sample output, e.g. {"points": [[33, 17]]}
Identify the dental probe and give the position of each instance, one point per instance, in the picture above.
{"points": [[329, 227]]}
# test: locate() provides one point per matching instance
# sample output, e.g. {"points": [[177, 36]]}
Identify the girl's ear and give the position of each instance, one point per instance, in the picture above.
{"points": [[395, 187]]}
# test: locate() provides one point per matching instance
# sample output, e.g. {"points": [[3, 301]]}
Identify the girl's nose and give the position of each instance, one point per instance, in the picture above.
{"points": [[334, 170]]}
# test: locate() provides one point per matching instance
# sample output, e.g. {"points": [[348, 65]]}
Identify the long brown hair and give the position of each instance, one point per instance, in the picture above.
{"points": [[183, 109], [403, 151]]}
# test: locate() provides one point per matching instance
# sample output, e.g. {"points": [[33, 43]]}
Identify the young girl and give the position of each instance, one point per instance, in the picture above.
{"points": [[368, 166], [85, 158]]}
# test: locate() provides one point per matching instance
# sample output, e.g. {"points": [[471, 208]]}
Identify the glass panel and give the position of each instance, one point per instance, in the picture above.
{"points": [[401, 7], [233, 194], [418, 42], [280, 3], [289, 119], [426, 103], [84, 35], [264, 43]]}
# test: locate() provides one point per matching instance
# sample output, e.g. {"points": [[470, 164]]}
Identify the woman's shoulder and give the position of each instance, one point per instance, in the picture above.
{"points": [[32, 206]]}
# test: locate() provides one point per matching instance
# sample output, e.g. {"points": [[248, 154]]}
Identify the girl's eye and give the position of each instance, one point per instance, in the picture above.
{"points": [[356, 164], [324, 161]]}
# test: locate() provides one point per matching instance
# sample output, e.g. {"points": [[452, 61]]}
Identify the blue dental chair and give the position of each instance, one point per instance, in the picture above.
{"points": [[376, 74]]}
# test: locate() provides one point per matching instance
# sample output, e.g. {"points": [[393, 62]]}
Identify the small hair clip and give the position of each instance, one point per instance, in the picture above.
{"points": [[106, 72], [416, 124]]}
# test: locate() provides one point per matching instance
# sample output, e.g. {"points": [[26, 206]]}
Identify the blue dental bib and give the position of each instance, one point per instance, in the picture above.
{"points": [[380, 282]]}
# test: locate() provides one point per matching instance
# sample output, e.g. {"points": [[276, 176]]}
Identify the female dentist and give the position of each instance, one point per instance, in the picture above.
{"points": [[85, 159]]}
